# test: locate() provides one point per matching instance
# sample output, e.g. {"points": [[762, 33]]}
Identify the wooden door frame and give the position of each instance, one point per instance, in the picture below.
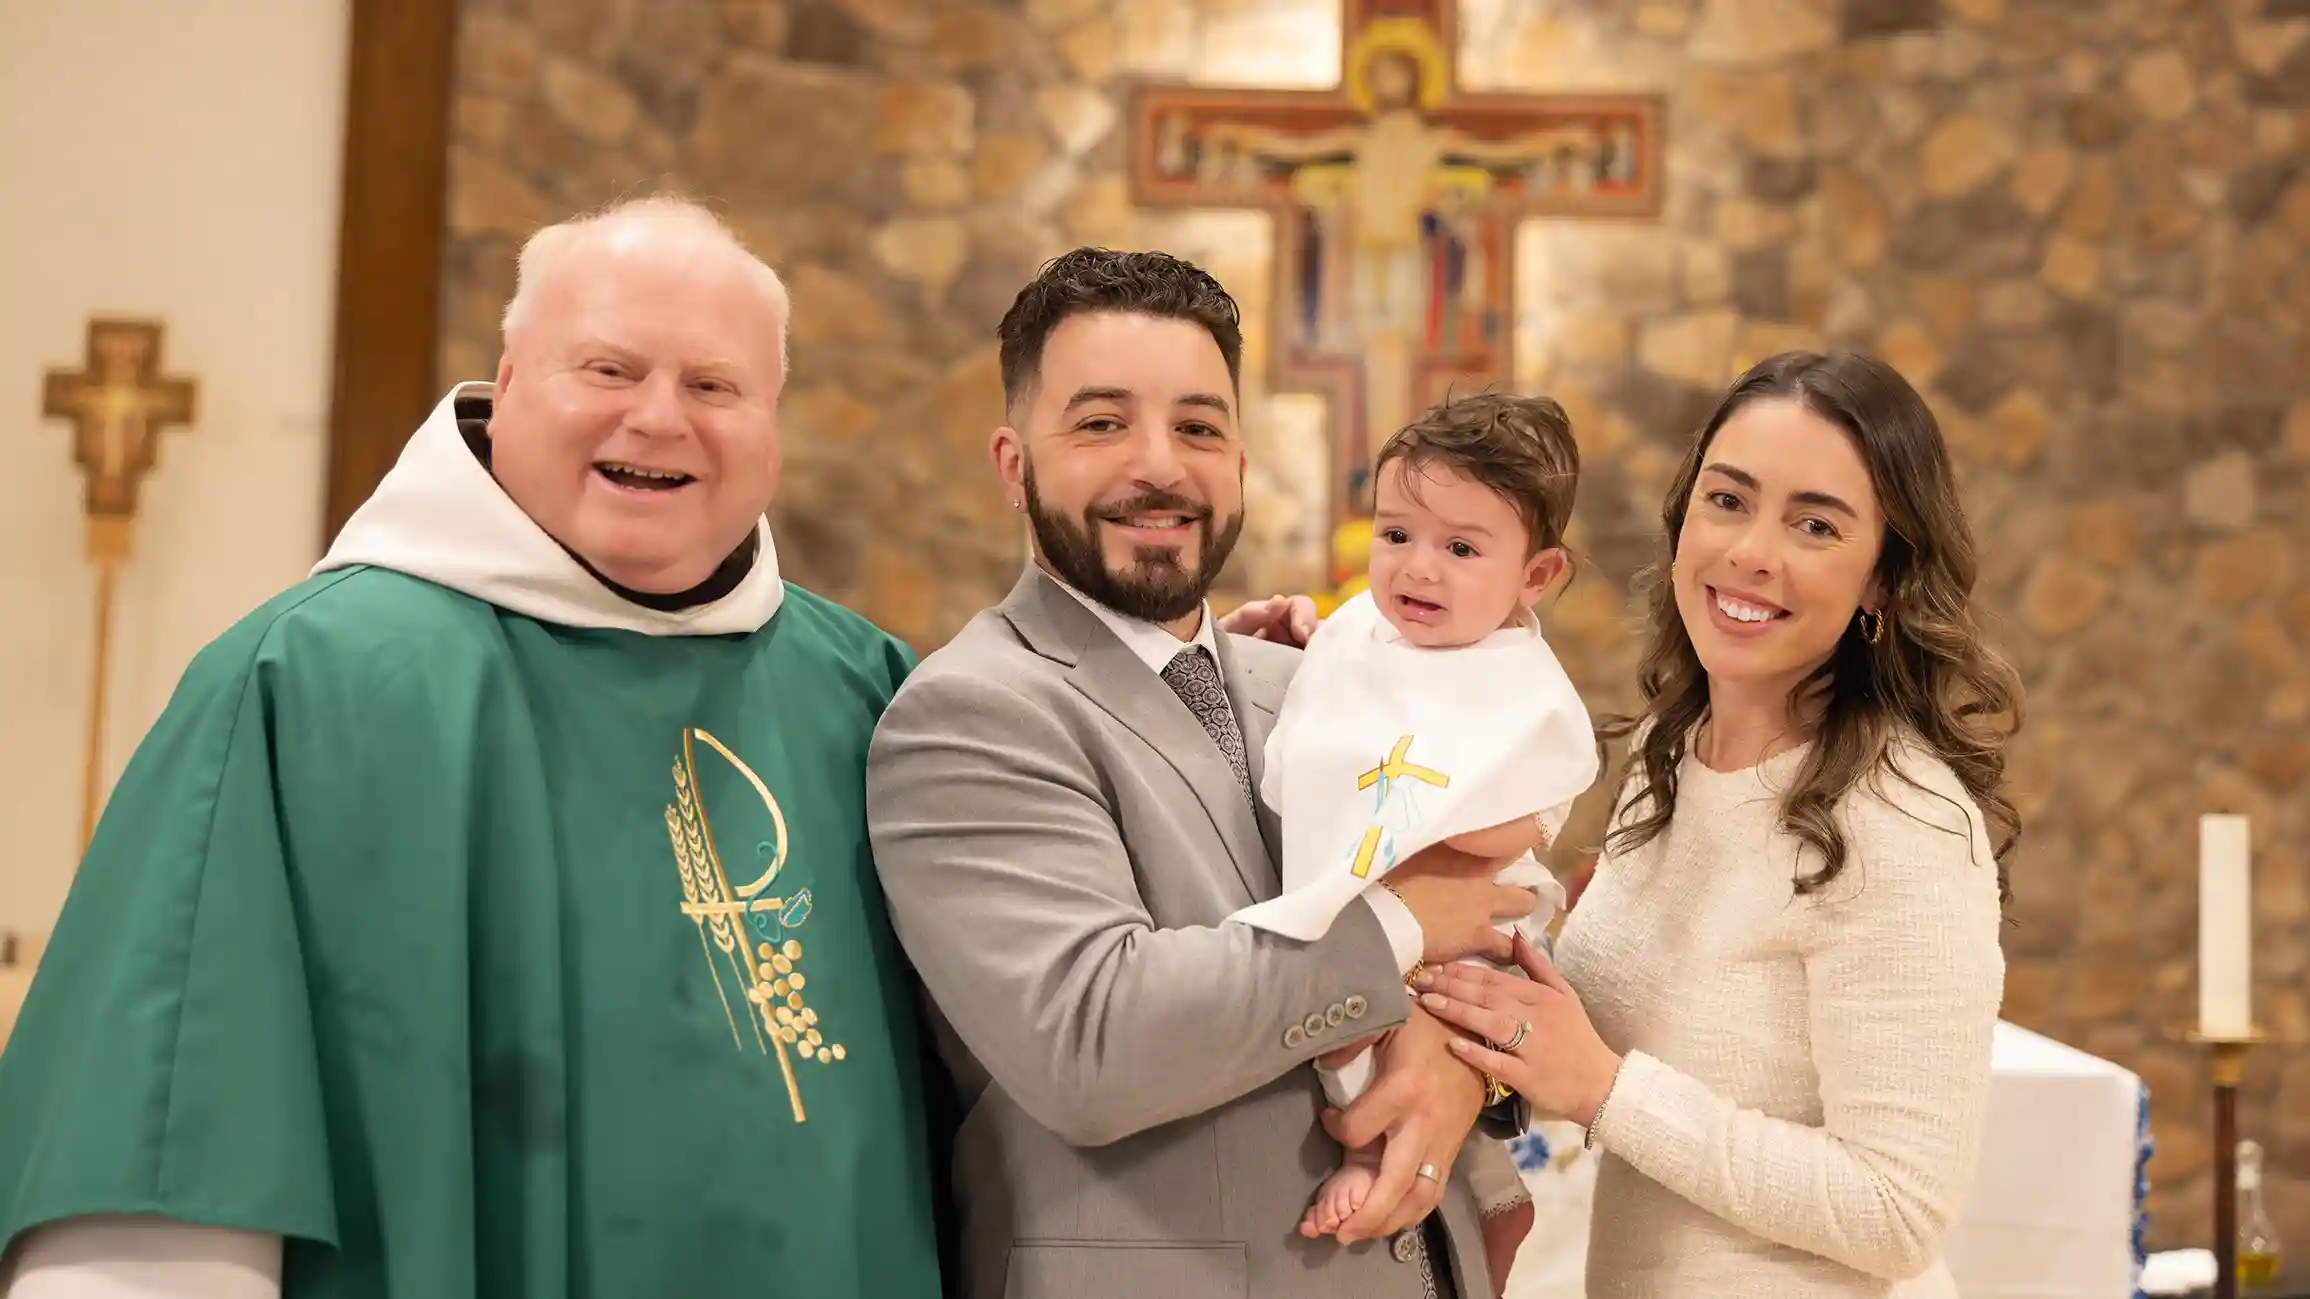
{"points": [[391, 234]]}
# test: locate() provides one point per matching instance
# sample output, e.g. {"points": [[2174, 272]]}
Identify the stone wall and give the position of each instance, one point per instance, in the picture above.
{"points": [[2084, 229]]}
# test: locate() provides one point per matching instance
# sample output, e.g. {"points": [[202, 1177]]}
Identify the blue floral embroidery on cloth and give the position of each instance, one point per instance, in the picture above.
{"points": [[1530, 1149]]}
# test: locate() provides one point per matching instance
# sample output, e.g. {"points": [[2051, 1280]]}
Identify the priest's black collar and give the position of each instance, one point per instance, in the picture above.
{"points": [[473, 424]]}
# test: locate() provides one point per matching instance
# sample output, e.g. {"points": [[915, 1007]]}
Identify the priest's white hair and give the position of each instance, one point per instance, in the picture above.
{"points": [[546, 248]]}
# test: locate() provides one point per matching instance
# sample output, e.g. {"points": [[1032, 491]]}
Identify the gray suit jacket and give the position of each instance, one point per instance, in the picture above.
{"points": [[1060, 842]]}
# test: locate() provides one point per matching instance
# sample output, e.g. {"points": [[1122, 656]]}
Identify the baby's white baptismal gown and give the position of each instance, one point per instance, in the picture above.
{"points": [[1383, 748]]}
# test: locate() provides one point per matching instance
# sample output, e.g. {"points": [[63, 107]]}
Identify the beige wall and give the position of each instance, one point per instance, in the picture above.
{"points": [[178, 161]]}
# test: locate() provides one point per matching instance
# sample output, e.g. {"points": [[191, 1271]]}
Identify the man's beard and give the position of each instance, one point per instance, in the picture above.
{"points": [[1154, 588]]}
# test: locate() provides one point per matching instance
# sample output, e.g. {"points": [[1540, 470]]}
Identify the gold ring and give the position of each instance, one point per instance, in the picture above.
{"points": [[1429, 1171], [1508, 1047]]}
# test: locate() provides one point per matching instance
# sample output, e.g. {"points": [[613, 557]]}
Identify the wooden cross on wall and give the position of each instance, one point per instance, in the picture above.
{"points": [[1396, 201], [117, 405]]}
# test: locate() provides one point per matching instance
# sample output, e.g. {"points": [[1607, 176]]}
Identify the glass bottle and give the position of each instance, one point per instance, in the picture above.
{"points": [[2258, 1248]]}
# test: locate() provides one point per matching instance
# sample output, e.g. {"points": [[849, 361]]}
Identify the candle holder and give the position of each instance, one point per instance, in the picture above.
{"points": [[2226, 1067]]}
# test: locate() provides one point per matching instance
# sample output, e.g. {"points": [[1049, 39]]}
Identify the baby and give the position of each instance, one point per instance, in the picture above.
{"points": [[1429, 708]]}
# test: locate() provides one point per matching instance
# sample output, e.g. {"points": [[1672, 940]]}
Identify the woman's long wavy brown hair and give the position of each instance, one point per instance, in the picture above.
{"points": [[1930, 677]]}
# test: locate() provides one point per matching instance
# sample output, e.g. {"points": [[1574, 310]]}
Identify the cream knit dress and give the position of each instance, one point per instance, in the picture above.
{"points": [[1801, 1108]]}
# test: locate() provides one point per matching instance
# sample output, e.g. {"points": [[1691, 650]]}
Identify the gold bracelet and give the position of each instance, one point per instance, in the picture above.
{"points": [[1596, 1120], [1409, 986]]}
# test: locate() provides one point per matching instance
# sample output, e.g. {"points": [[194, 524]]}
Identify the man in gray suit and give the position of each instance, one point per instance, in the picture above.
{"points": [[1062, 813]]}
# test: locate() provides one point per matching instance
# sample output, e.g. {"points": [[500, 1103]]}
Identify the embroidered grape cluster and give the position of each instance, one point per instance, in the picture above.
{"points": [[778, 990]]}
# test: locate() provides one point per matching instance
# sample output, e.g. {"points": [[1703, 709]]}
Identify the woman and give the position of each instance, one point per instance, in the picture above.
{"points": [[1772, 1009]]}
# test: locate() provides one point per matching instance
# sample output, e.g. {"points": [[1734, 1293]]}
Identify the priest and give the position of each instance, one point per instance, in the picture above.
{"points": [[492, 913]]}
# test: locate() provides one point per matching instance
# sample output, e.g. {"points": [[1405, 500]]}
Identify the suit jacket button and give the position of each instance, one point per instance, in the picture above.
{"points": [[1336, 1016], [1294, 1038], [1356, 1006], [1406, 1246], [1314, 1025]]}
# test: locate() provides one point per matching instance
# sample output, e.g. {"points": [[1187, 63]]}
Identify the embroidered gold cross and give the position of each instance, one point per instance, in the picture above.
{"points": [[1395, 768]]}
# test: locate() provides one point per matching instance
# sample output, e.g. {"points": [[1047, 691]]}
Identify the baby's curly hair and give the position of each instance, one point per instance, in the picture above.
{"points": [[1520, 447]]}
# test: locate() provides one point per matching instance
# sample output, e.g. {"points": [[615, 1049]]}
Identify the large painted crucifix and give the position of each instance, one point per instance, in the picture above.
{"points": [[1396, 201]]}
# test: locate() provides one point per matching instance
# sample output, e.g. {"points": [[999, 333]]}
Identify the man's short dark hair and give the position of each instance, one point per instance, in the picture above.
{"points": [[1101, 279], [1520, 447]]}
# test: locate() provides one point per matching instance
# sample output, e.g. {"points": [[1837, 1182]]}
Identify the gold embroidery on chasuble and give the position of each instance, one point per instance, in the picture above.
{"points": [[746, 930]]}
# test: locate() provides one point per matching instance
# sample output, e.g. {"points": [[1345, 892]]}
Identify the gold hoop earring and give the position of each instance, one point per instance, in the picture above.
{"points": [[1872, 626]]}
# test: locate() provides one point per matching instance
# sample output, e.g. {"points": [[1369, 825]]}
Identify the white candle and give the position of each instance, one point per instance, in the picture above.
{"points": [[2225, 927]]}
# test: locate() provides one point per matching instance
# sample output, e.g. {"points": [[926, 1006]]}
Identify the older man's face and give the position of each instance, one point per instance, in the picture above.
{"points": [[636, 414]]}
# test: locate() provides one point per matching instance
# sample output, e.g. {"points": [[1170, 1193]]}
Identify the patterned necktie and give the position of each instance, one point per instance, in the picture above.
{"points": [[1194, 677]]}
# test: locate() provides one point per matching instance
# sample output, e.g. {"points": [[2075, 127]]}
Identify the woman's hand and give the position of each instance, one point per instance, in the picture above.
{"points": [[1561, 1066]]}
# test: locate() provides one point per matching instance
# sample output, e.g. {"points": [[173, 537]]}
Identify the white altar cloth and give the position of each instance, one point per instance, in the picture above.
{"points": [[2055, 1209]]}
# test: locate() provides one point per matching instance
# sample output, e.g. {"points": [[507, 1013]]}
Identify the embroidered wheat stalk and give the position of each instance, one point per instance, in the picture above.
{"points": [[701, 886], [692, 892], [697, 870]]}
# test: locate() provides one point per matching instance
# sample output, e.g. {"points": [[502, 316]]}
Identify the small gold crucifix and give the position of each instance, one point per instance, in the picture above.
{"points": [[117, 404]]}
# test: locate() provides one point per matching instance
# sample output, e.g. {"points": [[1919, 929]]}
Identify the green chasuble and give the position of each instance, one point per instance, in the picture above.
{"points": [[483, 956]]}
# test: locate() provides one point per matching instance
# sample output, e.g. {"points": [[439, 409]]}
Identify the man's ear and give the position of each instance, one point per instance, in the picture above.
{"points": [[1543, 571], [1008, 452]]}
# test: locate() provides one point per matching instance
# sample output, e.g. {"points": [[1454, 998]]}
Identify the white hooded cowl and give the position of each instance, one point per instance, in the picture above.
{"points": [[439, 516]]}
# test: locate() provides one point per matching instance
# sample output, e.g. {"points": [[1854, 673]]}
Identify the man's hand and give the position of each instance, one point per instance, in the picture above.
{"points": [[1452, 895], [1287, 619], [1424, 1102]]}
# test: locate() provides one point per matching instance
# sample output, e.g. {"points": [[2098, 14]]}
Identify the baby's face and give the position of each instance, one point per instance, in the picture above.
{"points": [[1451, 559]]}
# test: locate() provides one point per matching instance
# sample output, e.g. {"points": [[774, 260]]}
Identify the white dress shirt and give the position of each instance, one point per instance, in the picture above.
{"points": [[1156, 646]]}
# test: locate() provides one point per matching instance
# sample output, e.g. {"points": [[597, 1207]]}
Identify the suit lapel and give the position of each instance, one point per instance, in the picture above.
{"points": [[1056, 626], [1256, 701]]}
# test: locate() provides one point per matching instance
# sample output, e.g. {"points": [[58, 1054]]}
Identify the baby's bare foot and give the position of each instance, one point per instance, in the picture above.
{"points": [[1338, 1199]]}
